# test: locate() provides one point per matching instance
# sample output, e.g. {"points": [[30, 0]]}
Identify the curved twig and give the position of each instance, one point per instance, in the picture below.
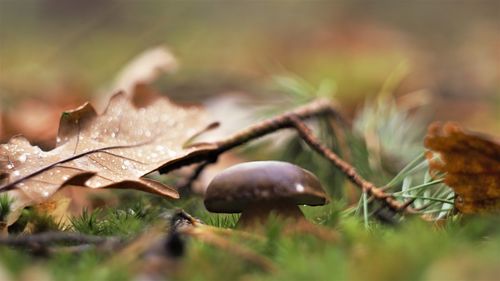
{"points": [[318, 108], [294, 120], [368, 187]]}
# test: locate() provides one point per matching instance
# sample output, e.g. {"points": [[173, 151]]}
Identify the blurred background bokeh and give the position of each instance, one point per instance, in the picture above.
{"points": [[65, 52], [392, 66]]}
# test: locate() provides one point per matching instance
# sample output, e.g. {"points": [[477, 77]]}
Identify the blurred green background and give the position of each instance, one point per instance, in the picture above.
{"points": [[450, 48]]}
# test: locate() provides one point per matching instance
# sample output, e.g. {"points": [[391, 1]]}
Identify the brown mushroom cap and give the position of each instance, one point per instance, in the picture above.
{"points": [[235, 187]]}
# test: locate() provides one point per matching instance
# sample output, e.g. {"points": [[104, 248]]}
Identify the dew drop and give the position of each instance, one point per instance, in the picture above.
{"points": [[171, 153], [23, 158]]}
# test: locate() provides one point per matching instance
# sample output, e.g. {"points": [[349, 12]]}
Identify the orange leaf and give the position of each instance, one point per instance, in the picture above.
{"points": [[472, 165]]}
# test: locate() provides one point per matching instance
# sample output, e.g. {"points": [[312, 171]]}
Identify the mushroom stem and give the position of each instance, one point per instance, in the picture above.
{"points": [[257, 213]]}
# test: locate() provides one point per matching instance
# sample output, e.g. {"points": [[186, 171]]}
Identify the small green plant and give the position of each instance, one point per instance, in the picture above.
{"points": [[5, 202], [87, 222], [222, 220]]}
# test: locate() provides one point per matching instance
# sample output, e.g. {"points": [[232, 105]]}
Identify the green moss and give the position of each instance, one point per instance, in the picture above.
{"points": [[5, 202], [413, 250]]}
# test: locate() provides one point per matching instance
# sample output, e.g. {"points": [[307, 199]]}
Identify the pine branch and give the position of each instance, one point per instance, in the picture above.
{"points": [[371, 189]]}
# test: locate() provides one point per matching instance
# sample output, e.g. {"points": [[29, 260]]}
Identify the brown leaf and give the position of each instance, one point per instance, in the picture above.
{"points": [[145, 68], [471, 163], [113, 150], [141, 71]]}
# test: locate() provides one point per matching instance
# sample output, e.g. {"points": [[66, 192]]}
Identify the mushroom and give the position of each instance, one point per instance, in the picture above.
{"points": [[255, 189]]}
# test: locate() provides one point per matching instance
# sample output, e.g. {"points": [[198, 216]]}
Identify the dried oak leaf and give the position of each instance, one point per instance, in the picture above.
{"points": [[113, 150], [471, 163]]}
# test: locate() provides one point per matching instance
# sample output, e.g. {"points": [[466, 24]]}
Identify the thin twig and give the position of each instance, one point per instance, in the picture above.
{"points": [[314, 109], [408, 203], [318, 108], [293, 119], [266, 127], [55, 238], [368, 187], [184, 224], [182, 219], [186, 186]]}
